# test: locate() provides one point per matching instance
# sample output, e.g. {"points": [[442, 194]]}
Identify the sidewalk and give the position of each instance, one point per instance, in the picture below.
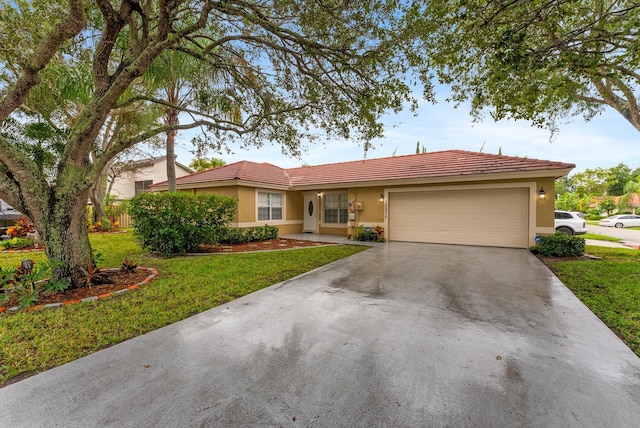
{"points": [[621, 244]]}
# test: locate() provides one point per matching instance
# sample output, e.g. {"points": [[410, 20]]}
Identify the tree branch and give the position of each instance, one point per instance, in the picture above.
{"points": [[66, 29]]}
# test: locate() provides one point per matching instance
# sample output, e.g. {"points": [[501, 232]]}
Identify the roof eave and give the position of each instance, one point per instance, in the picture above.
{"points": [[516, 175], [222, 183]]}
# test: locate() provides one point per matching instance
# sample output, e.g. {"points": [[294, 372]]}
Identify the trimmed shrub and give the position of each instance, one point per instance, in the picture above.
{"points": [[231, 236], [16, 243], [560, 245], [178, 222], [361, 233]]}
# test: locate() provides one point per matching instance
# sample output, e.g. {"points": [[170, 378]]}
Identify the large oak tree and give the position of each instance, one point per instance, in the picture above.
{"points": [[293, 68], [541, 60]]}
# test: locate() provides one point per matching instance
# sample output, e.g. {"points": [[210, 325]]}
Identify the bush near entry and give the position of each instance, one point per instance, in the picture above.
{"points": [[560, 245], [230, 235], [176, 222]]}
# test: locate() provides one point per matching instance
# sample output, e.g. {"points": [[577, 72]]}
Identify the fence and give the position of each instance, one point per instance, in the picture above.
{"points": [[123, 218]]}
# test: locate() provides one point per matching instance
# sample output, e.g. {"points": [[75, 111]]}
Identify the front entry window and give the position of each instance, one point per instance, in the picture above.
{"points": [[269, 206], [336, 208]]}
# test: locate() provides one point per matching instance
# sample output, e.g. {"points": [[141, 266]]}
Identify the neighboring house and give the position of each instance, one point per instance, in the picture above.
{"points": [[453, 196], [143, 174], [632, 201]]}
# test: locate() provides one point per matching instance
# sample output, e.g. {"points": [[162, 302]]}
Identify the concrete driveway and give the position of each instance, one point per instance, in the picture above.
{"points": [[401, 335]]}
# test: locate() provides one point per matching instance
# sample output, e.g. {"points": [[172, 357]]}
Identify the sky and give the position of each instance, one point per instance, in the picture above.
{"points": [[605, 141]]}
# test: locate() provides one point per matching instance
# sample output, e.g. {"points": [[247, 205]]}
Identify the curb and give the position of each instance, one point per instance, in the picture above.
{"points": [[153, 273]]}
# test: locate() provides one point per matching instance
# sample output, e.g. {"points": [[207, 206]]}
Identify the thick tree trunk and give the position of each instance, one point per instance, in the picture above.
{"points": [[66, 239], [171, 119], [97, 200]]}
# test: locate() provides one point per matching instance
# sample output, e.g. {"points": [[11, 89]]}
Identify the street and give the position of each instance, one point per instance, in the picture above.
{"points": [[626, 235]]}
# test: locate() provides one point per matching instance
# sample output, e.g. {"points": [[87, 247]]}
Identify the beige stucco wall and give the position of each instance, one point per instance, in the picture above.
{"points": [[124, 187], [286, 229], [372, 212], [294, 201], [545, 208], [230, 191], [247, 212]]}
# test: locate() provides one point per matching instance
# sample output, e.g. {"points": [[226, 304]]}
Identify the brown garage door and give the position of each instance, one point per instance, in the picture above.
{"points": [[488, 217]]}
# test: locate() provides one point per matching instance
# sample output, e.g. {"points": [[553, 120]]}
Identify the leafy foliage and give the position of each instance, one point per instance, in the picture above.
{"points": [[560, 245], [128, 266], [619, 176], [535, 59], [362, 233], [231, 235], [28, 283], [177, 222], [16, 243], [77, 86], [202, 164], [608, 205]]}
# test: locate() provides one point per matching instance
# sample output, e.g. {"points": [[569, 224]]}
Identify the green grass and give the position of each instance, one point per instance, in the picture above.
{"points": [[599, 237], [34, 341], [610, 287]]}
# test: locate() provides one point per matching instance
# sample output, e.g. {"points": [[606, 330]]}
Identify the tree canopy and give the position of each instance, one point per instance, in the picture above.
{"points": [[535, 59], [293, 69], [202, 164]]}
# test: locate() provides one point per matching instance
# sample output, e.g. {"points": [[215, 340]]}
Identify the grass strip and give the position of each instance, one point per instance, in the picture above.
{"points": [[34, 341], [610, 287], [599, 237]]}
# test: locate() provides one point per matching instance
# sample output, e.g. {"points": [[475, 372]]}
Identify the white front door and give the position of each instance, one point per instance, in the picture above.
{"points": [[310, 213]]}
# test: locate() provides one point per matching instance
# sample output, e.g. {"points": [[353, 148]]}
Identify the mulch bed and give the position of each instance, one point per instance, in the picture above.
{"points": [[269, 245], [121, 281]]}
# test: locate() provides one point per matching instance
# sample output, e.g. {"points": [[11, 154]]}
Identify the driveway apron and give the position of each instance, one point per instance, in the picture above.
{"points": [[401, 335]]}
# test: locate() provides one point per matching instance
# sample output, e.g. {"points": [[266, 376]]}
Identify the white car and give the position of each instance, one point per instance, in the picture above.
{"points": [[621, 220], [570, 223]]}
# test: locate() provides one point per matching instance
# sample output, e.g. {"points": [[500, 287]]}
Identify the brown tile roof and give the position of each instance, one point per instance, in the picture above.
{"points": [[243, 170], [633, 201], [447, 163], [425, 165]]}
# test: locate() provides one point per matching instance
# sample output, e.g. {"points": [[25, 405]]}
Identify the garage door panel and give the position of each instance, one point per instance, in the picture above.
{"points": [[491, 217]]}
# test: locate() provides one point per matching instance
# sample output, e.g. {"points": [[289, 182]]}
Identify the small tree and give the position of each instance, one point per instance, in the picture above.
{"points": [[608, 204]]}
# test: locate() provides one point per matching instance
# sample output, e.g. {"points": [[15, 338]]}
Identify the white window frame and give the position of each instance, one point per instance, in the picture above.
{"points": [[325, 197], [144, 184], [270, 205]]}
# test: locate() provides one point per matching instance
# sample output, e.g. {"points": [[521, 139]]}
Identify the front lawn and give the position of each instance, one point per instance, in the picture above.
{"points": [[610, 287], [34, 341]]}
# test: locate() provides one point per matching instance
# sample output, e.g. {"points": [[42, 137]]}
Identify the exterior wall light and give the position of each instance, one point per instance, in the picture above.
{"points": [[319, 194], [381, 199], [542, 194]]}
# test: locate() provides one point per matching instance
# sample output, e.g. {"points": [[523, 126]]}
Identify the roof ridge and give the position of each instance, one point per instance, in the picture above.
{"points": [[371, 159], [469, 152]]}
